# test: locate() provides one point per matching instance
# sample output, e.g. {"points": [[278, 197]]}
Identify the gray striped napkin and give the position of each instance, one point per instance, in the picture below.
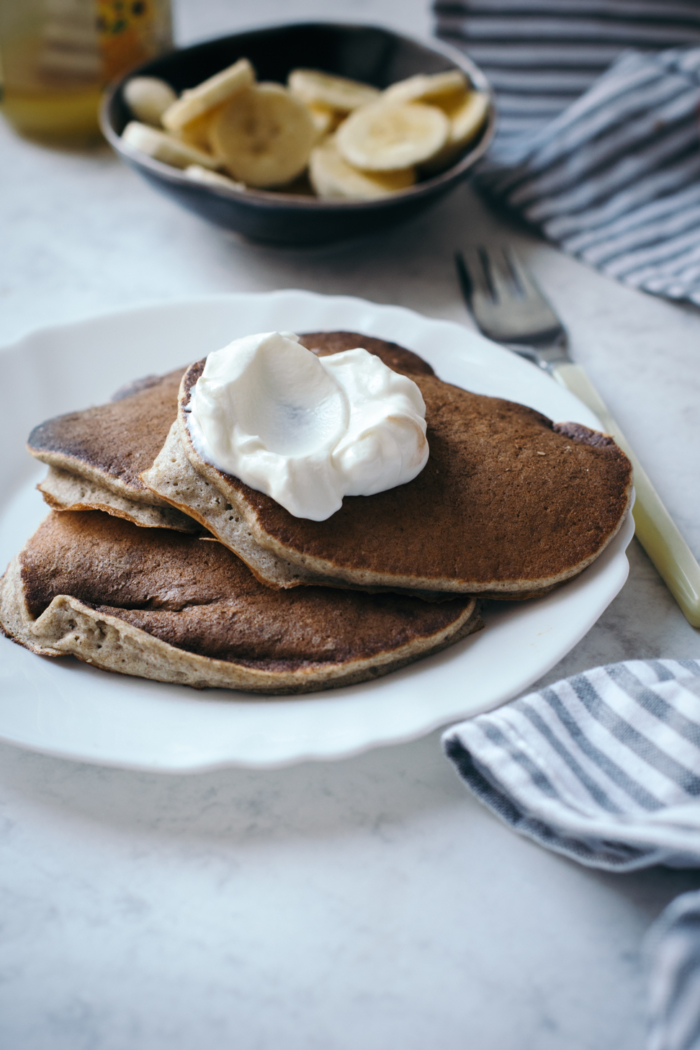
{"points": [[598, 145], [673, 950], [604, 767]]}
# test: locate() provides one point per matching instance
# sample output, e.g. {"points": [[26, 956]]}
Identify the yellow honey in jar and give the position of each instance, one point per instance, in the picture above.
{"points": [[57, 55]]}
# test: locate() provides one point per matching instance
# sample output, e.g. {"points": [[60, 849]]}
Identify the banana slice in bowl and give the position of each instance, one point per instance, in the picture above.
{"points": [[423, 87], [389, 136], [263, 136], [334, 179], [196, 132], [325, 119], [337, 93], [164, 147], [193, 102], [207, 177], [148, 98], [467, 115]]}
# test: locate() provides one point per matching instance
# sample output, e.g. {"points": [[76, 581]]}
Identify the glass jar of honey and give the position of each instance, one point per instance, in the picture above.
{"points": [[57, 55]]}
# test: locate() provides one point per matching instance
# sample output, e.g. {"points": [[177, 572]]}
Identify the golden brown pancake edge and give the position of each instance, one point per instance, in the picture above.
{"points": [[172, 607], [508, 503]]}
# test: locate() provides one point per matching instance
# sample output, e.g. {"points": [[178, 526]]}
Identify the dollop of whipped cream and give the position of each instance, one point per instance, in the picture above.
{"points": [[307, 430]]}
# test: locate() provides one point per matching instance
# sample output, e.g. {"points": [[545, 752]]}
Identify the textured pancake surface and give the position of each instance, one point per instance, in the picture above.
{"points": [[96, 455], [394, 356], [508, 505], [63, 490], [178, 608], [118, 440]]}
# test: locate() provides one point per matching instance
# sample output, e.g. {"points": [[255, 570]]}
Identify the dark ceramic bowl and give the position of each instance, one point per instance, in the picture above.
{"points": [[368, 53]]}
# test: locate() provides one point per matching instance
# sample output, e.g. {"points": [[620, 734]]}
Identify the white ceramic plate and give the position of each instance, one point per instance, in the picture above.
{"points": [[63, 707]]}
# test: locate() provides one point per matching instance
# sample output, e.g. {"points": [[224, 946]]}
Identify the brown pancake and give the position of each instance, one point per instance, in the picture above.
{"points": [[509, 504], [394, 356], [97, 455], [64, 490], [177, 608]]}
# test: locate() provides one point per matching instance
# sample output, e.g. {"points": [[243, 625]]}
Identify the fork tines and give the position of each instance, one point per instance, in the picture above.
{"points": [[504, 298]]}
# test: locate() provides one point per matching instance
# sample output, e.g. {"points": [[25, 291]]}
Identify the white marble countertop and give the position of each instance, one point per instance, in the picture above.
{"points": [[361, 904]]}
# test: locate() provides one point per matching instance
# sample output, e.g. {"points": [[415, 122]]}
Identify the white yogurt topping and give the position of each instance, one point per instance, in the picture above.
{"points": [[307, 430]]}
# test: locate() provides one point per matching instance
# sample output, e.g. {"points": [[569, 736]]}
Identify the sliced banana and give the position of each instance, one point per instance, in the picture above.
{"points": [[314, 87], [430, 88], [217, 89], [196, 132], [263, 136], [466, 115], [212, 178], [325, 119], [161, 146], [392, 136], [334, 179], [148, 98]]}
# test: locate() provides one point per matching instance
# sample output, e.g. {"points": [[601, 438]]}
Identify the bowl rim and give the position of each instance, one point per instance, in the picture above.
{"points": [[272, 198]]}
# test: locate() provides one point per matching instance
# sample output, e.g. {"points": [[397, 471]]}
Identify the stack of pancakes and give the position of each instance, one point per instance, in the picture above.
{"points": [[155, 563]]}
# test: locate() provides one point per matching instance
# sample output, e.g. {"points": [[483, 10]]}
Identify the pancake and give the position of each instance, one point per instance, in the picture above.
{"points": [[509, 505], [95, 456], [176, 608], [63, 490]]}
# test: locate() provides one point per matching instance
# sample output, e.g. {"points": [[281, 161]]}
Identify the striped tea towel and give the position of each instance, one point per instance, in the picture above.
{"points": [[673, 953], [603, 767], [598, 145]]}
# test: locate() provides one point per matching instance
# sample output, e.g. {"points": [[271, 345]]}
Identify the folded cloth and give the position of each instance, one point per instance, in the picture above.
{"points": [[673, 950], [603, 159], [542, 55], [603, 767]]}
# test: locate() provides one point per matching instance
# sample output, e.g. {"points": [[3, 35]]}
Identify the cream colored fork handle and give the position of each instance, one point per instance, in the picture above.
{"points": [[654, 526]]}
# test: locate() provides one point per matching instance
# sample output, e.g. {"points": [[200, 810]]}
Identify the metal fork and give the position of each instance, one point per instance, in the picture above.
{"points": [[509, 308]]}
